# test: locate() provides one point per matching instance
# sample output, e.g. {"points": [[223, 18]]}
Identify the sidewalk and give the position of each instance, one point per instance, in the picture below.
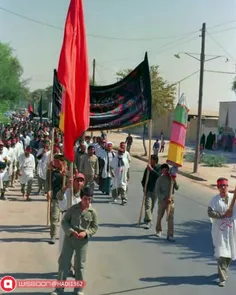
{"points": [[206, 175]]}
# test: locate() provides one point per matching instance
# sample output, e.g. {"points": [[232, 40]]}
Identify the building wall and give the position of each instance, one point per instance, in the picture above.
{"points": [[164, 124], [208, 125], [230, 108]]}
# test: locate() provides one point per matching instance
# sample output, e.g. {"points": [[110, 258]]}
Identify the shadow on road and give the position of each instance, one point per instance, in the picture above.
{"points": [[183, 280], [131, 290], [23, 228], [29, 276], [194, 238], [115, 225], [123, 238], [23, 240]]}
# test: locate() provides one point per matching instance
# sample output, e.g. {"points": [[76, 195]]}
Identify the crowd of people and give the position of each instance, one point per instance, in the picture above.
{"points": [[28, 153]]}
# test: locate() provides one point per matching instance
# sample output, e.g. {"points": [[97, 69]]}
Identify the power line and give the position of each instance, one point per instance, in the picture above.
{"points": [[222, 24], [221, 72], [111, 37], [94, 35], [225, 51], [229, 29]]}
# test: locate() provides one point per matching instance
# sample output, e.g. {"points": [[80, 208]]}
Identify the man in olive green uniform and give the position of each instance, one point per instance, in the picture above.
{"points": [[79, 223], [89, 167], [54, 184], [151, 197], [165, 200]]}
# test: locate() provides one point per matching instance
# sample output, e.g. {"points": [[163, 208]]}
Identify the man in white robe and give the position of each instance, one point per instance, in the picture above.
{"points": [[3, 169], [19, 151], [223, 228], [27, 169], [10, 162], [105, 167], [14, 164], [119, 172], [43, 157], [63, 197]]}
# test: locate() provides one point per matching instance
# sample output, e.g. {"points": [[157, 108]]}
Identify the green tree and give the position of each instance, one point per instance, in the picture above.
{"points": [[234, 85], [12, 86], [163, 95]]}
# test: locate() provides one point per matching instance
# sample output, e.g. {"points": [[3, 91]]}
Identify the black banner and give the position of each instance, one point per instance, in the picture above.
{"points": [[56, 100], [120, 105], [123, 104]]}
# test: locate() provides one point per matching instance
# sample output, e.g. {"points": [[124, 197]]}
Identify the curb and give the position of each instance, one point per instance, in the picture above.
{"points": [[185, 174]]}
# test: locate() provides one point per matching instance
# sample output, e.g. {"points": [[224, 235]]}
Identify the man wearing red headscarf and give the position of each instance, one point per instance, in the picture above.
{"points": [[223, 232]]}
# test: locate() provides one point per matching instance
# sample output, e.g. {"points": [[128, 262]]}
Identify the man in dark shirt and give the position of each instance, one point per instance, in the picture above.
{"points": [[151, 197], [54, 183], [129, 142]]}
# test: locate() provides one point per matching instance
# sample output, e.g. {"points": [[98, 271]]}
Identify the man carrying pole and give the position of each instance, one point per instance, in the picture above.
{"points": [[73, 75], [54, 184]]}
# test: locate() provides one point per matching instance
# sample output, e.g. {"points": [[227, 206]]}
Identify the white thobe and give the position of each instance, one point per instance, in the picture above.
{"points": [[106, 172], [64, 205], [127, 155], [224, 230], [26, 140], [3, 177], [19, 150], [11, 158], [120, 180], [27, 168], [43, 165]]}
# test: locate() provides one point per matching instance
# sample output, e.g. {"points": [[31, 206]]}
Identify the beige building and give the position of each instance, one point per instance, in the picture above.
{"points": [[164, 124]]}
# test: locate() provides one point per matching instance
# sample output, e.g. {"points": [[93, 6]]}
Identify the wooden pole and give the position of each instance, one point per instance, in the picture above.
{"points": [[50, 179], [148, 173], [94, 70], [170, 196], [233, 201], [71, 177]]}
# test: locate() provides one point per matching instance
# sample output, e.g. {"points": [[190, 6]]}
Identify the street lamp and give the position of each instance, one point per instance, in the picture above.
{"points": [[202, 61], [192, 55], [179, 82]]}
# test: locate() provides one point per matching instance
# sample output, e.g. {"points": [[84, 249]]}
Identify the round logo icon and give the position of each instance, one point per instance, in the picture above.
{"points": [[8, 284]]}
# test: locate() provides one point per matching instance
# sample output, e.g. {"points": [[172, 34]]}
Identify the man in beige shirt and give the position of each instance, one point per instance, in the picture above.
{"points": [[89, 167]]}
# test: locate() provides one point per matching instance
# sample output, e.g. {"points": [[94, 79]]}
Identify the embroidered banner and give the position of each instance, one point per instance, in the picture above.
{"points": [[120, 105]]}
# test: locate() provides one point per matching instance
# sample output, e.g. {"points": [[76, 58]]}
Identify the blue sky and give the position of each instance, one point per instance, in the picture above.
{"points": [[163, 21]]}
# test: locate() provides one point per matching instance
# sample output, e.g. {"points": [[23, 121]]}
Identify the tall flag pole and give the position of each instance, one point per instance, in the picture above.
{"points": [[73, 74]]}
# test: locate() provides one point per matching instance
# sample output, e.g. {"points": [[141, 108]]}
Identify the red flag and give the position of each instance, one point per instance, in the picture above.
{"points": [[30, 108], [73, 74]]}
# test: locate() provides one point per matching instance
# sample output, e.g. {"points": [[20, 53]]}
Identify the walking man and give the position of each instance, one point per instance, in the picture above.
{"points": [[151, 197], [165, 187], [223, 228], [79, 223], [119, 172], [53, 185], [3, 169], [63, 197], [43, 157], [27, 168], [129, 142], [89, 167]]}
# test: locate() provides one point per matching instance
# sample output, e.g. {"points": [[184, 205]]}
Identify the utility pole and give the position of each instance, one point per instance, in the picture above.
{"points": [[199, 118], [94, 68]]}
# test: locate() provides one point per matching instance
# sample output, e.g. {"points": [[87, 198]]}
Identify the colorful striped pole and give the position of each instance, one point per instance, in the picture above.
{"points": [[178, 134]]}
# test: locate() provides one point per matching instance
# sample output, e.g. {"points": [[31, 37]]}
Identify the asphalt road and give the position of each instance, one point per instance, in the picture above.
{"points": [[122, 258]]}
